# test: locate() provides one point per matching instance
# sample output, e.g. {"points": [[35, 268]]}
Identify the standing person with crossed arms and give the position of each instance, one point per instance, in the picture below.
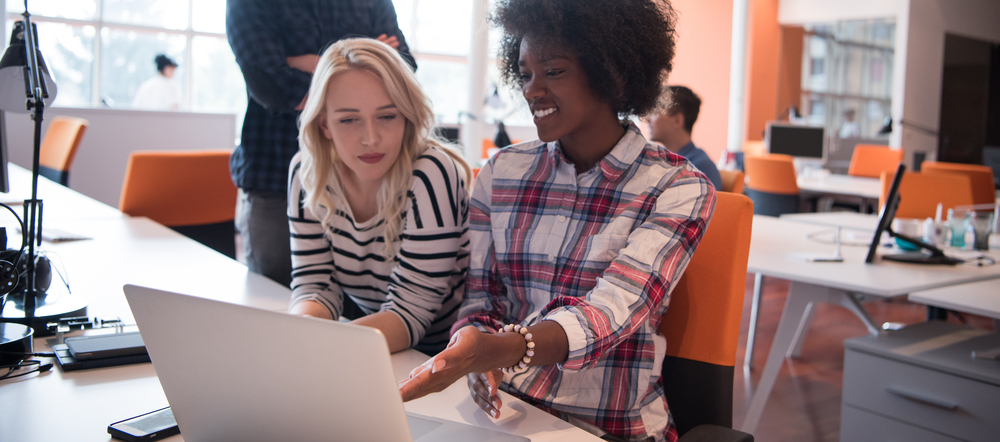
{"points": [[277, 46]]}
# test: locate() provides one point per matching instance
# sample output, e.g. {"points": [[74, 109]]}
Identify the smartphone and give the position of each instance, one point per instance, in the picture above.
{"points": [[106, 346], [154, 425]]}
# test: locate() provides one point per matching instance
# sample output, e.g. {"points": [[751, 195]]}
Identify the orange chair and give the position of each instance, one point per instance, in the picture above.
{"points": [[870, 160], [771, 184], [702, 323], [188, 191], [754, 148], [732, 181], [920, 193], [58, 149], [981, 177]]}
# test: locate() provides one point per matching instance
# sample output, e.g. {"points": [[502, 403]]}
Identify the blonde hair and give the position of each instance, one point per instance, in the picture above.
{"points": [[320, 162]]}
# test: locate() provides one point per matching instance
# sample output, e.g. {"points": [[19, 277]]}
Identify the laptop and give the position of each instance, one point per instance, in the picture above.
{"points": [[232, 372]]}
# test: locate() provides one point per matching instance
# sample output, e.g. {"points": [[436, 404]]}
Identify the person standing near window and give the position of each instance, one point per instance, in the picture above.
{"points": [[276, 45], [159, 92]]}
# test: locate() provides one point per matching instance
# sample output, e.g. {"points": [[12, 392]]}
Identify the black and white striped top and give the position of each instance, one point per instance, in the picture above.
{"points": [[423, 284]]}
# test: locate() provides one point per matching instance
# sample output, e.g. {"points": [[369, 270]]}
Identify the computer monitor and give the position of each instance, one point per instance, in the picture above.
{"points": [[794, 140], [885, 218]]}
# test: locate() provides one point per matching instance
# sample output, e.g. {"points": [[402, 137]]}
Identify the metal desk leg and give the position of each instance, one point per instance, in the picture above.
{"points": [[758, 286], [795, 316], [800, 332]]}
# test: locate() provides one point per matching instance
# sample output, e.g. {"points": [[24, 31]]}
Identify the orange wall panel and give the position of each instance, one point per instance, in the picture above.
{"points": [[762, 67], [704, 39], [790, 68]]}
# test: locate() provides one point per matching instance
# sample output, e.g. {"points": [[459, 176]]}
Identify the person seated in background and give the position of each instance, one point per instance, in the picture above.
{"points": [[377, 206], [673, 128], [579, 237]]}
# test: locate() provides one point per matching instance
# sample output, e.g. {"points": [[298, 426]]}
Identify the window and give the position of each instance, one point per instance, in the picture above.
{"points": [[101, 51], [847, 76]]}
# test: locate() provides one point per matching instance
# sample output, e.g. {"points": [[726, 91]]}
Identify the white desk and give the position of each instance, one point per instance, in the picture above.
{"points": [[58, 202], [979, 298], [79, 405], [848, 220], [846, 185], [861, 190], [836, 283]]}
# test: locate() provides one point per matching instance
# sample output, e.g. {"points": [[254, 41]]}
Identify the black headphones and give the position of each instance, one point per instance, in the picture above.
{"points": [[13, 274]]}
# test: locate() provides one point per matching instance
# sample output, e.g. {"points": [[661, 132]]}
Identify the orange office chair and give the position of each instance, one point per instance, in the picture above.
{"points": [[732, 181], [870, 160], [920, 193], [981, 178], [754, 148], [702, 326], [188, 191], [771, 184], [59, 146]]}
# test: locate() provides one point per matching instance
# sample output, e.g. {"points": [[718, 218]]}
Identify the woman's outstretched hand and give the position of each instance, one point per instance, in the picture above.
{"points": [[483, 388], [457, 360]]}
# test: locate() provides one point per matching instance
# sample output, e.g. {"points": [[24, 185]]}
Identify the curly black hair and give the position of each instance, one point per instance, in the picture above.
{"points": [[626, 47]]}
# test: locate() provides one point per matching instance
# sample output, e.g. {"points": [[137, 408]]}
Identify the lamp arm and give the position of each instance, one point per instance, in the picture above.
{"points": [[919, 128]]}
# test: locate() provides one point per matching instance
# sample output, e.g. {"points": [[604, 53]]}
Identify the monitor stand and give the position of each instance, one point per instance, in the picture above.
{"points": [[936, 256]]}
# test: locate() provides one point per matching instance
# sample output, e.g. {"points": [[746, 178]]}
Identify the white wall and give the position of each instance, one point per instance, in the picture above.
{"points": [[113, 134], [920, 29]]}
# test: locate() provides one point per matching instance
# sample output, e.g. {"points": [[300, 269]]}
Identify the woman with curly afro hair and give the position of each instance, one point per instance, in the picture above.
{"points": [[577, 238]]}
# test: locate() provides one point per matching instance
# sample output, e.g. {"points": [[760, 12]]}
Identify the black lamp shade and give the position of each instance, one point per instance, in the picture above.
{"points": [[886, 126], [12, 87], [501, 140]]}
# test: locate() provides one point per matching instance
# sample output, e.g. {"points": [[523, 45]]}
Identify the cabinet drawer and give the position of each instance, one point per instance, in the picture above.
{"points": [[951, 405], [861, 426]]}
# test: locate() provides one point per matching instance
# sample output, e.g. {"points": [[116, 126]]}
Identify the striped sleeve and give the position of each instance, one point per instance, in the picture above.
{"points": [[312, 258], [434, 233], [485, 298]]}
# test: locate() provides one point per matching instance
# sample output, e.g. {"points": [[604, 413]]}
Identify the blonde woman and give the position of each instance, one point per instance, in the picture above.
{"points": [[377, 206]]}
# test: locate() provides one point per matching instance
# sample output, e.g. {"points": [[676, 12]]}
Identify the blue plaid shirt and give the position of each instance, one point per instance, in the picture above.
{"points": [[263, 33]]}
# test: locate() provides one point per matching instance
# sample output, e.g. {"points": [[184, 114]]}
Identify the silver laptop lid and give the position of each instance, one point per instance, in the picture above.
{"points": [[237, 373]]}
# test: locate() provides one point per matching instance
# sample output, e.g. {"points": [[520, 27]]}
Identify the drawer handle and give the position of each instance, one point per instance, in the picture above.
{"points": [[922, 397]]}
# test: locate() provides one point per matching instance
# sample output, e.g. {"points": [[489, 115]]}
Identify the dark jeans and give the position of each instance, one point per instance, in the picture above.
{"points": [[263, 227]]}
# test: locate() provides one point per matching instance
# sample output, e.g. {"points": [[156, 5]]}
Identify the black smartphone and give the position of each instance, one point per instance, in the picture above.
{"points": [[154, 425], [106, 346]]}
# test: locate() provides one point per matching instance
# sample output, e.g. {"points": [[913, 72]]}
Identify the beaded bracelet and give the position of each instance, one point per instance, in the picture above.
{"points": [[528, 353]]}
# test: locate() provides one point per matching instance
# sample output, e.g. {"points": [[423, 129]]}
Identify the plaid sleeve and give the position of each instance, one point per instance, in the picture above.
{"points": [[637, 285], [384, 21], [254, 34]]}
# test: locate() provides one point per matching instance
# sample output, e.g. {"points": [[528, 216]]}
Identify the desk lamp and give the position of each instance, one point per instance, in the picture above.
{"points": [[27, 87]]}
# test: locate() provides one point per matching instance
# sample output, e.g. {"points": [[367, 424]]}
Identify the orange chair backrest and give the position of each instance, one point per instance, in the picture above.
{"points": [[772, 173], [920, 193], [732, 181], [981, 177], [870, 160], [179, 188], [62, 138], [753, 148], [702, 322]]}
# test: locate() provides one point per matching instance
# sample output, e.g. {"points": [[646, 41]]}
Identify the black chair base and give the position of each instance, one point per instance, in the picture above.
{"points": [[772, 204], [221, 237], [59, 176]]}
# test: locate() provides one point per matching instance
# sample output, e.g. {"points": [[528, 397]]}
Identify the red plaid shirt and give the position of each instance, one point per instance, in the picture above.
{"points": [[598, 253]]}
